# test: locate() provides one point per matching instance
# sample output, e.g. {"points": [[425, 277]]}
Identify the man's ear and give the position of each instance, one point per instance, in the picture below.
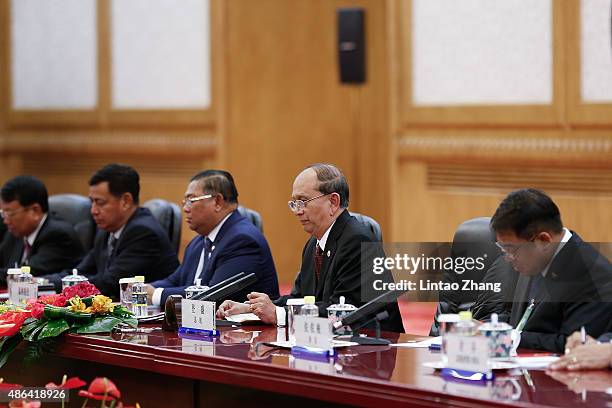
{"points": [[219, 201], [37, 208], [544, 237], [334, 198], [127, 200]]}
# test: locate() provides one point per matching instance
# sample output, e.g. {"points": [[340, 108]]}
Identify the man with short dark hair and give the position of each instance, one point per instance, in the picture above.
{"points": [[568, 281], [34, 238], [332, 257], [129, 240], [227, 243]]}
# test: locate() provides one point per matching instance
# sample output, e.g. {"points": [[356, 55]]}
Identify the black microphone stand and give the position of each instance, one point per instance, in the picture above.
{"points": [[369, 341]]}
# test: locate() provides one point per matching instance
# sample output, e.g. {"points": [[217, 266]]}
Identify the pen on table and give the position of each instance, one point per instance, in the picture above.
{"points": [[582, 335], [523, 321]]}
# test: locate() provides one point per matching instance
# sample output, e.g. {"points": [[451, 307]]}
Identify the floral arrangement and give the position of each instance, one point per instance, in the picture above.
{"points": [[78, 309], [101, 389]]}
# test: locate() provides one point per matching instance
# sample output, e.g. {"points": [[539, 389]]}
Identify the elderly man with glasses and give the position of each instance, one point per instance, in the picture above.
{"points": [[331, 259], [227, 243], [564, 283], [34, 238]]}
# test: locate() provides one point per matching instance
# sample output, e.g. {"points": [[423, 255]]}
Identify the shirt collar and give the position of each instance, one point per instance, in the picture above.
{"points": [[117, 233], [32, 237], [566, 237], [212, 235], [321, 242]]}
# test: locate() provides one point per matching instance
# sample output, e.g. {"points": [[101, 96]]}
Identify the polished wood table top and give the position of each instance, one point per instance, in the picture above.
{"points": [[360, 375]]}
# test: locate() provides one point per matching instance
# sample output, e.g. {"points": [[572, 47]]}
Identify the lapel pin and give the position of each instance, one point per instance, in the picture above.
{"points": [[328, 254]]}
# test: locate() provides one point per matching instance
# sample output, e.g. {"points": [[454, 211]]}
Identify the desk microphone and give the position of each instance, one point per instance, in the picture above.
{"points": [[369, 309]]}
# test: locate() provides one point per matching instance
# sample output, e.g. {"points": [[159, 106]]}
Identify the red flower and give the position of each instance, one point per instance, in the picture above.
{"points": [[101, 388], [82, 290], [67, 384], [36, 308], [11, 322], [54, 300]]}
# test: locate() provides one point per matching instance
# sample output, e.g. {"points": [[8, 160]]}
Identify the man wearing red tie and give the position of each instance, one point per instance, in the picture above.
{"points": [[34, 238], [331, 258]]}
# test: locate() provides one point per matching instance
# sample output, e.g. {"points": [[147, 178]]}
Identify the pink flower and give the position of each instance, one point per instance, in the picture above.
{"points": [[82, 290]]}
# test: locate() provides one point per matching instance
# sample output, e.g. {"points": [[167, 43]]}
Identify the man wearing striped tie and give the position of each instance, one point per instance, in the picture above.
{"points": [[331, 259]]}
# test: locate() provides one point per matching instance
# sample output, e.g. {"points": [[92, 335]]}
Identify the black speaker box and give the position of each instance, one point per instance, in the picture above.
{"points": [[351, 45]]}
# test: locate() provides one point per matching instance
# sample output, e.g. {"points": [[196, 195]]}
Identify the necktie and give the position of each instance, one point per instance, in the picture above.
{"points": [[110, 249], [27, 248], [203, 259], [534, 287], [318, 259]]}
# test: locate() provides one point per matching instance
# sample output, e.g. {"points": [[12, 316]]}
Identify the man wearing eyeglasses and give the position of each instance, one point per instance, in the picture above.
{"points": [[129, 240], [331, 259], [34, 238], [227, 243], [568, 281]]}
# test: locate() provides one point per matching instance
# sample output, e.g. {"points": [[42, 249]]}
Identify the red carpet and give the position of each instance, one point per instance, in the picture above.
{"points": [[417, 316]]}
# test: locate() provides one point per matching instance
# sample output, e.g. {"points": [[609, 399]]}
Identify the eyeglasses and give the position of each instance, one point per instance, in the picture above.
{"points": [[188, 202], [511, 250], [298, 205], [10, 214]]}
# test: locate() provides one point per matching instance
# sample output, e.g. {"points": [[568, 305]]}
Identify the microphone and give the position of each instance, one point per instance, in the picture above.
{"points": [[223, 290], [371, 308]]}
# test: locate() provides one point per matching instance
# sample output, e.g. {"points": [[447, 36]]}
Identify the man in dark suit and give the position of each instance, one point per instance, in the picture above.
{"points": [[331, 260], [227, 243], [568, 280], [34, 238], [129, 240]]}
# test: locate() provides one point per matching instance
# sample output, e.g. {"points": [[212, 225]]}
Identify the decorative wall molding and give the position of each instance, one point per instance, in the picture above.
{"points": [[148, 143], [590, 150]]}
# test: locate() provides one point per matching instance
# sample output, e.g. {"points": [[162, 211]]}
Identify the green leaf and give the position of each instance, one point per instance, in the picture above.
{"points": [[33, 334], [54, 328], [8, 345], [132, 321], [99, 325]]}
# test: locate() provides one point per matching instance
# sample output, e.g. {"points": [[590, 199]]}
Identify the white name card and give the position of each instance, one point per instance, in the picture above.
{"points": [[314, 332], [22, 291], [470, 353], [198, 314]]}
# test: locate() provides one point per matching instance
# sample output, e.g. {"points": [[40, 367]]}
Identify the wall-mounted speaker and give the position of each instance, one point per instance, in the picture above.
{"points": [[351, 45]]}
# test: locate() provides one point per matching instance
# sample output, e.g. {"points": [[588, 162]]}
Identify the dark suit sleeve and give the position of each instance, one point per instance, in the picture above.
{"points": [[594, 316], [137, 253], [57, 250]]}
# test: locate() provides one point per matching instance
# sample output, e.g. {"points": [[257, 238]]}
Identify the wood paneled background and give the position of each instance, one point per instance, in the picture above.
{"points": [[278, 106]]}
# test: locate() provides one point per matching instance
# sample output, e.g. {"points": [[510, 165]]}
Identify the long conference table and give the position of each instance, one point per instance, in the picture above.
{"points": [[161, 368]]}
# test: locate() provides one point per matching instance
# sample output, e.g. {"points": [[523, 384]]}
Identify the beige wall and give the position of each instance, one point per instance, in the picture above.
{"points": [[278, 105]]}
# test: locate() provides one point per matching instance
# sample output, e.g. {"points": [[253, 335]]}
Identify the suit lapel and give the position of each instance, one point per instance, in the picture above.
{"points": [[330, 250]]}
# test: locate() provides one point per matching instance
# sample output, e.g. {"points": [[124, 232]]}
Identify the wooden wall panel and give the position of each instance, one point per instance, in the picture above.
{"points": [[286, 109], [430, 206]]}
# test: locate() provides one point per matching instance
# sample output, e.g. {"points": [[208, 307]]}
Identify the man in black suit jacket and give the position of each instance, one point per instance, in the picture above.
{"points": [[569, 281], [320, 200], [34, 238], [129, 241]]}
